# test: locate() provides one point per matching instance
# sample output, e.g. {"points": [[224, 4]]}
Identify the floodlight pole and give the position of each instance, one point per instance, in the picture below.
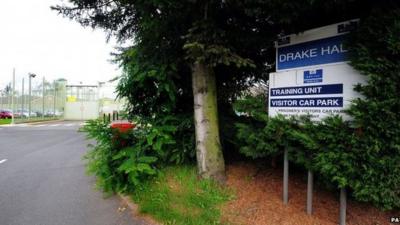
{"points": [[43, 98], [22, 97], [12, 98], [54, 98], [1, 98]]}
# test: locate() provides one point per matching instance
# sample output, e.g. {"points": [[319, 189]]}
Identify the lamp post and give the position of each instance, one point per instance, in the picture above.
{"points": [[1, 99], [54, 98], [23, 99], [12, 99], [43, 96], [100, 98], [31, 75]]}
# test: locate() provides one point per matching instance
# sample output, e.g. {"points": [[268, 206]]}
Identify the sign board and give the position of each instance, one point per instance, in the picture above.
{"points": [[311, 53], [71, 98], [313, 76]]}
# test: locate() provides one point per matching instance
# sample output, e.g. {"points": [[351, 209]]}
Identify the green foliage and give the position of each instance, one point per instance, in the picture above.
{"points": [[254, 106], [261, 136], [376, 54], [154, 93], [335, 157], [269, 140], [205, 43], [305, 141], [173, 139], [122, 161], [341, 155], [177, 196], [119, 161]]}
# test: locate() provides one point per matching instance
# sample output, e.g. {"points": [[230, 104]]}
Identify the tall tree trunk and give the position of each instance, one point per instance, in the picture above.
{"points": [[210, 160]]}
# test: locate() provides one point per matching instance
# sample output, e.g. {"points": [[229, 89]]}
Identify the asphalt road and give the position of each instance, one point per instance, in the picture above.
{"points": [[43, 180]]}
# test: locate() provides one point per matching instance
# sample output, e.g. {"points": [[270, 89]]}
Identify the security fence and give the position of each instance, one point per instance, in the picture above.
{"points": [[82, 102], [33, 97]]}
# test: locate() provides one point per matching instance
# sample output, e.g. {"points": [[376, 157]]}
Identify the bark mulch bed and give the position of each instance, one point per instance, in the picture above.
{"points": [[259, 201]]}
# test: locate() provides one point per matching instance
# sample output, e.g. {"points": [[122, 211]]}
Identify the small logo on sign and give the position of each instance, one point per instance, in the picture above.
{"points": [[395, 219], [313, 76]]}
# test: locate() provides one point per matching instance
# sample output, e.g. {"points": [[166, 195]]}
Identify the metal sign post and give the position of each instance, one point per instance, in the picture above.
{"points": [[285, 177], [310, 183], [343, 206]]}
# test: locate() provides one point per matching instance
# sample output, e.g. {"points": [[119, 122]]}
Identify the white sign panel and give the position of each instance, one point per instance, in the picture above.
{"points": [[313, 76]]}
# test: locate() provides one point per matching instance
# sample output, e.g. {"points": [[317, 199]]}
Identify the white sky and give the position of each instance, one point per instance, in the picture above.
{"points": [[34, 38]]}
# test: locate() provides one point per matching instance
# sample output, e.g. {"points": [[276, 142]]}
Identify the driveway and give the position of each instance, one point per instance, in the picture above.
{"points": [[43, 180]]}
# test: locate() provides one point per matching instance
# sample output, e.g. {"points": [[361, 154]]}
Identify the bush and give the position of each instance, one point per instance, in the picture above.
{"points": [[122, 161], [376, 54], [264, 141], [333, 150]]}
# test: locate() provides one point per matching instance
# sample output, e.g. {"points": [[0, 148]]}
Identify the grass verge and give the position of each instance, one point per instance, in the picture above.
{"points": [[5, 121], [178, 197], [37, 119]]}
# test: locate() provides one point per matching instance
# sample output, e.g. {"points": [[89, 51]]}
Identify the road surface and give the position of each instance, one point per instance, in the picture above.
{"points": [[43, 180]]}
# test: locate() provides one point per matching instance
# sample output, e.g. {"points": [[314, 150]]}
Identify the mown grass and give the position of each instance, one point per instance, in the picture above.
{"points": [[36, 119], [32, 120], [5, 121], [178, 197]]}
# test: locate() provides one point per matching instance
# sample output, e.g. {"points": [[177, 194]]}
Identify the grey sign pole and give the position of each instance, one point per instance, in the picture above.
{"points": [[285, 176], [310, 184], [343, 206]]}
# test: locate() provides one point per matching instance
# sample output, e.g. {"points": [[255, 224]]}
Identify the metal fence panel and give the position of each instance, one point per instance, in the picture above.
{"points": [[32, 97]]}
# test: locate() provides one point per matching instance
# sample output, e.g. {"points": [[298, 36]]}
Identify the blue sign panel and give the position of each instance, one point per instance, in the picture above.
{"points": [[322, 51], [308, 90], [308, 102], [313, 76]]}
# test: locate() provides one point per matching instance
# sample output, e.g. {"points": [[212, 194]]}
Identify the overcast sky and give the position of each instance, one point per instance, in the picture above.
{"points": [[35, 39]]}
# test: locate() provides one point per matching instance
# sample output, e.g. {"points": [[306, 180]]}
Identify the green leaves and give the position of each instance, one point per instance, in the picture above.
{"points": [[254, 106], [122, 167], [205, 42], [361, 155], [149, 87], [214, 55], [264, 141], [118, 168], [375, 53]]}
